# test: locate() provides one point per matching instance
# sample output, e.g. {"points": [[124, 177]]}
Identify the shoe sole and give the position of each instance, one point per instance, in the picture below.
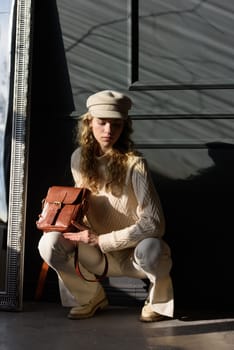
{"points": [[157, 318], [100, 306]]}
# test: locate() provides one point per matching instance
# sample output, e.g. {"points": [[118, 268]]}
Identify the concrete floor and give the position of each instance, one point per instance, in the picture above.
{"points": [[44, 326]]}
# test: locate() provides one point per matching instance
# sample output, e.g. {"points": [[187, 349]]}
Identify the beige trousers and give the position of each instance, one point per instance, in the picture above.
{"points": [[149, 259]]}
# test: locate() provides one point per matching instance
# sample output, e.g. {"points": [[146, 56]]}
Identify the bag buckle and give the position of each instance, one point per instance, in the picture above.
{"points": [[59, 204]]}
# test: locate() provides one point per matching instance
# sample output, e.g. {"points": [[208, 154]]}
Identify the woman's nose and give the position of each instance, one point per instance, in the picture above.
{"points": [[108, 127]]}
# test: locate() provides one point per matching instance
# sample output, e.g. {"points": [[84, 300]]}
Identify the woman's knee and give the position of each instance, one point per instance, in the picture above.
{"points": [[53, 243], [147, 253], [47, 241]]}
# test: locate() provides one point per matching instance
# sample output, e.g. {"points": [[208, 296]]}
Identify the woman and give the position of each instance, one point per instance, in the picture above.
{"points": [[124, 220]]}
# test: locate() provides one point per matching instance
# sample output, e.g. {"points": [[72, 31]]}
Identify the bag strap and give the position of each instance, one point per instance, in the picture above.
{"points": [[80, 274], [41, 280]]}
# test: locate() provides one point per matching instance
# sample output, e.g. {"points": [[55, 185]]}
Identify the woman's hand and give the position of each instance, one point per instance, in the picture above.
{"points": [[85, 236]]}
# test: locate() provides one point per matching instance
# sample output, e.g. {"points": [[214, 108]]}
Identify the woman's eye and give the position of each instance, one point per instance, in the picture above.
{"points": [[117, 124], [101, 122]]}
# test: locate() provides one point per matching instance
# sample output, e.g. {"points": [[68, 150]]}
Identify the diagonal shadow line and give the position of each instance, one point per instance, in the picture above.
{"points": [[180, 13], [92, 29]]}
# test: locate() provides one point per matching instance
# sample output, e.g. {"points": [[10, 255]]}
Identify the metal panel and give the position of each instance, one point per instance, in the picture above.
{"points": [[182, 45], [11, 297]]}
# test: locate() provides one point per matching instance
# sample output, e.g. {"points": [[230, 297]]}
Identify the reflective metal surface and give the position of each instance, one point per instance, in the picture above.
{"points": [[15, 150]]}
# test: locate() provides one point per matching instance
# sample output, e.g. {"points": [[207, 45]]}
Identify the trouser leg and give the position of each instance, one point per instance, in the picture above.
{"points": [[153, 257], [59, 254], [150, 259]]}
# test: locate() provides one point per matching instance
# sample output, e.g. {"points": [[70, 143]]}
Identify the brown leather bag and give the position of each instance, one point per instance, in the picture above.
{"points": [[63, 208]]}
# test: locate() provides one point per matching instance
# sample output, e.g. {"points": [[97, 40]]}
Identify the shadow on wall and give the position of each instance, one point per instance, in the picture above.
{"points": [[199, 216]]}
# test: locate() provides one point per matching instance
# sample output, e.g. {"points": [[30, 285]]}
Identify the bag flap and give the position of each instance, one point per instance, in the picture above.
{"points": [[65, 194]]}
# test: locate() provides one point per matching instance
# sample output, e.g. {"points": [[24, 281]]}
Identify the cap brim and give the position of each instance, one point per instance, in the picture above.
{"points": [[108, 114]]}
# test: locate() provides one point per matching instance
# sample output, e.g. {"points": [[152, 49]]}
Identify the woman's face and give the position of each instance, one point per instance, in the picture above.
{"points": [[106, 131]]}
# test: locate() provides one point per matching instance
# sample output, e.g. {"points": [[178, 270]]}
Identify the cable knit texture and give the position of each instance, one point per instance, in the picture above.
{"points": [[122, 222]]}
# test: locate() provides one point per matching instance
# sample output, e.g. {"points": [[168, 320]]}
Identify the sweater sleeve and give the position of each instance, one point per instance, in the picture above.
{"points": [[150, 219], [75, 165]]}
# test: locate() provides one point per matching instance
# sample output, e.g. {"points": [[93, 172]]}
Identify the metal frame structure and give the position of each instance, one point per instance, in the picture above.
{"points": [[12, 295]]}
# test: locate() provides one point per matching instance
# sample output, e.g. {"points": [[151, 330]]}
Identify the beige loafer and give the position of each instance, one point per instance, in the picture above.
{"points": [[99, 302], [148, 315]]}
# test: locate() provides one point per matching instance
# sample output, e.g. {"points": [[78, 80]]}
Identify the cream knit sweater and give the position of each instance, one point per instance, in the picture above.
{"points": [[121, 222]]}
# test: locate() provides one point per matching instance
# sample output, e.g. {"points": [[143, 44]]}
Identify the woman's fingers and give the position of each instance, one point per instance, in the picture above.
{"points": [[83, 236]]}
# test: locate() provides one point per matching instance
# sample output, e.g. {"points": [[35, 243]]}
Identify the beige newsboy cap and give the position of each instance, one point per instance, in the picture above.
{"points": [[108, 104]]}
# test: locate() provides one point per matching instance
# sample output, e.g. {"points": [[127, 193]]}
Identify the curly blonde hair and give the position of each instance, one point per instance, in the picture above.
{"points": [[117, 157]]}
